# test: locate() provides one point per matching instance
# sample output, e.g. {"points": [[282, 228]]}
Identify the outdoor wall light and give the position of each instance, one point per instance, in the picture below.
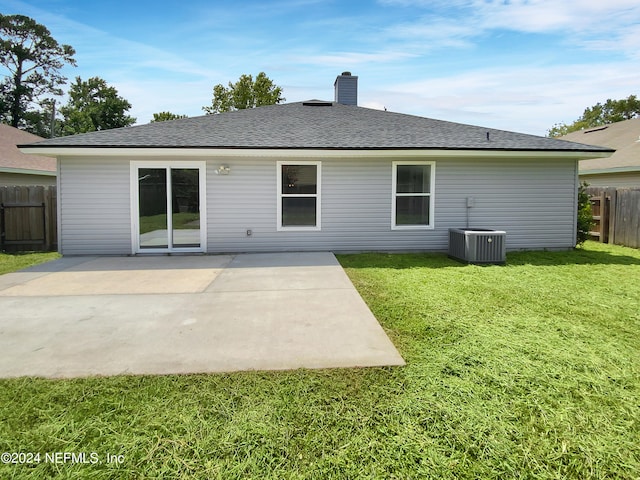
{"points": [[223, 170]]}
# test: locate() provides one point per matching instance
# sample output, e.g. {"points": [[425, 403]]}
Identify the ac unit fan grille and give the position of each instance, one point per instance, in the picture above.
{"points": [[479, 246]]}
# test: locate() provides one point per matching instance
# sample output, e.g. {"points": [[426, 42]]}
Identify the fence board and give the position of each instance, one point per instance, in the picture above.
{"points": [[616, 212], [628, 218], [29, 218]]}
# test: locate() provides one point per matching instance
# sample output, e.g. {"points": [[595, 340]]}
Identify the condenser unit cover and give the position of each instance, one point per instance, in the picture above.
{"points": [[478, 245]]}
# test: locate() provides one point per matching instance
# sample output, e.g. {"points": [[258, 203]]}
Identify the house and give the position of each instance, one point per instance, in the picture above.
{"points": [[622, 169], [314, 175], [17, 168]]}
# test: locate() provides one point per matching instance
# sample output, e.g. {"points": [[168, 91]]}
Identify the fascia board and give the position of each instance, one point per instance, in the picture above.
{"points": [[26, 171], [308, 153]]}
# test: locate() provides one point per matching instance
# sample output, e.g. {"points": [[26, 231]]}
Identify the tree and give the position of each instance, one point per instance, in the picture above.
{"points": [[33, 59], [42, 122], [164, 116], [93, 105], [245, 93], [612, 111]]}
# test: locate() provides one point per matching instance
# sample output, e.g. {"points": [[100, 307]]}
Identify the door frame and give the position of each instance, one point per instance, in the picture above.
{"points": [[135, 199]]}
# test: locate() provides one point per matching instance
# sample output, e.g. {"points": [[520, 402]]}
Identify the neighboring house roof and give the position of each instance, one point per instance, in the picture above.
{"points": [[13, 160], [313, 125], [623, 136]]}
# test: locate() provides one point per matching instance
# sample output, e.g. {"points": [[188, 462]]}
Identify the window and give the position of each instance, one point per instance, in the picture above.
{"points": [[299, 196], [413, 185]]}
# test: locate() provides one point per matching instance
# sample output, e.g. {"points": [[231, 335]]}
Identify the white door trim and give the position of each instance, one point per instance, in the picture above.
{"points": [[135, 192]]}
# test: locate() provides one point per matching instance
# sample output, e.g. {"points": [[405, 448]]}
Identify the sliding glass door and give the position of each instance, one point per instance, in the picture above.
{"points": [[169, 210]]}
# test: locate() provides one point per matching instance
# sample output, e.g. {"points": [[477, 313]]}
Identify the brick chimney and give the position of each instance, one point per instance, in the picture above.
{"points": [[346, 88]]}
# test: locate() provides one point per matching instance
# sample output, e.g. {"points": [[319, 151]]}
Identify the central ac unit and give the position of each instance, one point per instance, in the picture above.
{"points": [[478, 245]]}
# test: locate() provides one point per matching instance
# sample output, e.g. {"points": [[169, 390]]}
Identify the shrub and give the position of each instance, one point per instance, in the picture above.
{"points": [[585, 217]]}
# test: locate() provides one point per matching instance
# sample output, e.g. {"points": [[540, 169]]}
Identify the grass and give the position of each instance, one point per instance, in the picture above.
{"points": [[11, 262], [528, 371], [181, 221]]}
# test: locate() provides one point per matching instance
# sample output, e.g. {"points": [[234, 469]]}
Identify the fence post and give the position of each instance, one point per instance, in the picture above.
{"points": [[604, 221], [2, 232], [613, 198], [596, 213], [606, 211], [47, 218]]}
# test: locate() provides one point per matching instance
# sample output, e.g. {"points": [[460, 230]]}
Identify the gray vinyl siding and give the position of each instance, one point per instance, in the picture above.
{"points": [[620, 180], [94, 206], [533, 200], [22, 179]]}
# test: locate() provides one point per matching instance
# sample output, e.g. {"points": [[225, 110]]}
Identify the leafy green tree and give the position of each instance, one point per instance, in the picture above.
{"points": [[164, 116], [33, 60], [245, 93], [40, 122], [612, 111], [93, 105]]}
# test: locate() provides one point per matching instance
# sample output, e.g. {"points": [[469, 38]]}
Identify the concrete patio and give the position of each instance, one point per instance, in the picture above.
{"points": [[83, 316]]}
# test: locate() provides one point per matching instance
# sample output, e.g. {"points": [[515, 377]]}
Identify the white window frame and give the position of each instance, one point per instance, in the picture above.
{"points": [[317, 196], [135, 195], [430, 195]]}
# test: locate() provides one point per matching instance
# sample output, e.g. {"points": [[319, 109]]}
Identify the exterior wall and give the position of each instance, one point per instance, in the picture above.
{"points": [[620, 180], [23, 179], [94, 207], [532, 200]]}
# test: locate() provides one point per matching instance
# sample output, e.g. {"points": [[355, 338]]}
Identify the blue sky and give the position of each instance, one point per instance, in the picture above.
{"points": [[511, 64]]}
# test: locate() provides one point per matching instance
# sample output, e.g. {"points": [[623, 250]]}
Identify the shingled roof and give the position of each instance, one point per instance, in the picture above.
{"points": [[313, 125], [13, 160], [623, 136]]}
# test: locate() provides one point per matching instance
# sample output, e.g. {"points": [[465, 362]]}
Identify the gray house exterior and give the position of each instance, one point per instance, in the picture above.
{"points": [[310, 176], [19, 169], [622, 169]]}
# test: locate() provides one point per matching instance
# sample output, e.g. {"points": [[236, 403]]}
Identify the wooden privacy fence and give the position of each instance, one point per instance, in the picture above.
{"points": [[28, 219], [616, 212]]}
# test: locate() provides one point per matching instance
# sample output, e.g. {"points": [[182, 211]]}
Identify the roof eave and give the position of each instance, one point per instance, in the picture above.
{"points": [[610, 171], [28, 171], [144, 151]]}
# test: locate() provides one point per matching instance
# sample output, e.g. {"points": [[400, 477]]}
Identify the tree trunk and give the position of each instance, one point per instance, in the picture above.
{"points": [[15, 106]]}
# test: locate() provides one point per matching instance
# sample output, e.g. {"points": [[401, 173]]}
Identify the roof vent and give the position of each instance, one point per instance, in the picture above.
{"points": [[596, 129], [317, 103]]}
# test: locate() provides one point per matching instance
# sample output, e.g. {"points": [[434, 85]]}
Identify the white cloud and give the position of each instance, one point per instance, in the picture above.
{"points": [[543, 16], [518, 96], [347, 59], [600, 24], [529, 100]]}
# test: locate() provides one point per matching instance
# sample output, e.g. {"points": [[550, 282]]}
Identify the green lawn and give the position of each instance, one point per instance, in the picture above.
{"points": [[10, 262], [529, 370]]}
